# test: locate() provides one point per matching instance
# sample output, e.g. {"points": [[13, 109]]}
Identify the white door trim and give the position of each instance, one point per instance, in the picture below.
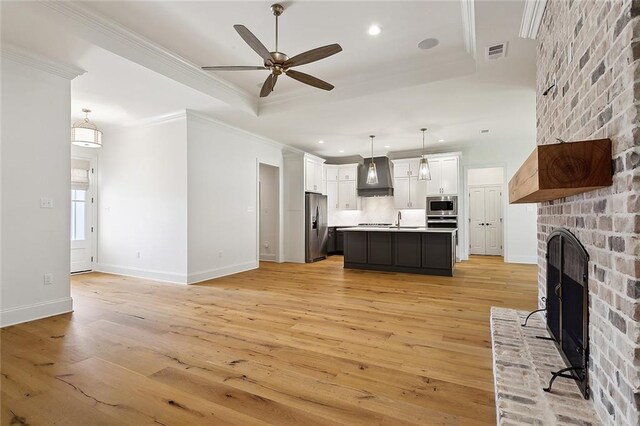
{"points": [[92, 195], [465, 207]]}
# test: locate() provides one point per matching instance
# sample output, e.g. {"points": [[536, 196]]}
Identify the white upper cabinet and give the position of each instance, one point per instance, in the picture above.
{"points": [[313, 181], [401, 169], [348, 195], [444, 176], [408, 191], [332, 195], [449, 176], [332, 172], [348, 172], [411, 193], [342, 186]]}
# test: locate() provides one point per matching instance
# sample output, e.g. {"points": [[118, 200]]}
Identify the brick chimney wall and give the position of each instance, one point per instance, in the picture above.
{"points": [[593, 49]]}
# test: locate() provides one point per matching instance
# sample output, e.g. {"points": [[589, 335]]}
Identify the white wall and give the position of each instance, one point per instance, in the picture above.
{"points": [[142, 202], [35, 164], [521, 219], [485, 176], [269, 211], [223, 196]]}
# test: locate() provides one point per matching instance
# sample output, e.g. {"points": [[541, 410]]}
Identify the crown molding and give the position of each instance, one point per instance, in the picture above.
{"points": [[18, 54], [469, 26], [124, 42], [204, 119], [531, 18]]}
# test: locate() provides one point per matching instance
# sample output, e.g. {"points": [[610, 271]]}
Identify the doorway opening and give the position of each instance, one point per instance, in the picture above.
{"points": [[82, 215], [486, 219], [269, 212]]}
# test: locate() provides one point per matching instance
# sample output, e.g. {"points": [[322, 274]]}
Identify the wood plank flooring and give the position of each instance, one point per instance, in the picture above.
{"points": [[284, 344]]}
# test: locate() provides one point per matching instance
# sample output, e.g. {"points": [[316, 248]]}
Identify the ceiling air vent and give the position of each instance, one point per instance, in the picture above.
{"points": [[496, 51]]}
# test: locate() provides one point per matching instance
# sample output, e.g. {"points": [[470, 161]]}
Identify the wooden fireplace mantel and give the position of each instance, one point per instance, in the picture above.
{"points": [[562, 169]]}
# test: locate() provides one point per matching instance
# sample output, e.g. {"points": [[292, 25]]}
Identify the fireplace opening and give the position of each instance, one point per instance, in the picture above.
{"points": [[567, 305]]}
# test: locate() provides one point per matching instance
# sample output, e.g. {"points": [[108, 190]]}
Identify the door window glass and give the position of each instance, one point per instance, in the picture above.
{"points": [[78, 214]]}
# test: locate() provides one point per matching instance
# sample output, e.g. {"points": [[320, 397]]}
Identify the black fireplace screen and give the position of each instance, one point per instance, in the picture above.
{"points": [[567, 304]]}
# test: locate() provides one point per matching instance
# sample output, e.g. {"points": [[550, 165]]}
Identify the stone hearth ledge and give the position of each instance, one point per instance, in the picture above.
{"points": [[522, 366]]}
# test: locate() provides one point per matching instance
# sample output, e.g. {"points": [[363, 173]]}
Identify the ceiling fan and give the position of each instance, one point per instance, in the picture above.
{"points": [[279, 63]]}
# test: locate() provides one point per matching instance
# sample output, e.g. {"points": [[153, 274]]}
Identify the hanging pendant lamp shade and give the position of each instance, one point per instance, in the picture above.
{"points": [[424, 171], [85, 133], [372, 174]]}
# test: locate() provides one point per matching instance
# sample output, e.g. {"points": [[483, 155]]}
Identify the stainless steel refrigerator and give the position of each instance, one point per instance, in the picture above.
{"points": [[315, 236]]}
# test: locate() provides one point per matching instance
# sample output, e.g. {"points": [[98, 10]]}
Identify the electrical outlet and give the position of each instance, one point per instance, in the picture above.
{"points": [[46, 203], [138, 255], [266, 244], [220, 254], [48, 279]]}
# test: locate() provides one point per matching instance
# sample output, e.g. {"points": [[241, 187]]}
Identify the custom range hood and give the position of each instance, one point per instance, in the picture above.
{"points": [[384, 187]]}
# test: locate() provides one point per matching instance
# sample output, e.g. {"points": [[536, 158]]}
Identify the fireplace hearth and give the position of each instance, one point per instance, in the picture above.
{"points": [[567, 308]]}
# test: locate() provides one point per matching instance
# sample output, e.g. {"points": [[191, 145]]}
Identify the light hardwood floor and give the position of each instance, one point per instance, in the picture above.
{"points": [[285, 344]]}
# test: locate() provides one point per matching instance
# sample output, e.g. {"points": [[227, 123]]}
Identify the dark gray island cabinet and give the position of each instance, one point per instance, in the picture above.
{"points": [[414, 250]]}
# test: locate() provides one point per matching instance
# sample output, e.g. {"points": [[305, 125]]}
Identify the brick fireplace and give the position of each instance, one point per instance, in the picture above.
{"points": [[593, 50]]}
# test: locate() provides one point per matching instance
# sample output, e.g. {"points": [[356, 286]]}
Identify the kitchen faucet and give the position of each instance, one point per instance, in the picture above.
{"points": [[399, 218]]}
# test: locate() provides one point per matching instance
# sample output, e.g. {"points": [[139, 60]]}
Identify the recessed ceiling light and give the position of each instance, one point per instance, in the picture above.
{"points": [[342, 150], [428, 43], [320, 141], [374, 30], [440, 140], [387, 146]]}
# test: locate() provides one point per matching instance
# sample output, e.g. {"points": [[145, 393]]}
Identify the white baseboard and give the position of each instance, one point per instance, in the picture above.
{"points": [[162, 276], [533, 260], [197, 277], [266, 257], [35, 311]]}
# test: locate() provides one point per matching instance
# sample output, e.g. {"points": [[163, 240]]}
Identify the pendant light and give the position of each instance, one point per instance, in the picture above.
{"points": [[372, 174], [85, 133], [424, 171]]}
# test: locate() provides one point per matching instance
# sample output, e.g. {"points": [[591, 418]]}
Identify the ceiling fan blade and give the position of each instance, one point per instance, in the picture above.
{"points": [[267, 87], [313, 55], [254, 43], [233, 68], [309, 79]]}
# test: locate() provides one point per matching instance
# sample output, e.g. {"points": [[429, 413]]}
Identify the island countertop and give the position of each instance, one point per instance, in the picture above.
{"points": [[401, 229]]}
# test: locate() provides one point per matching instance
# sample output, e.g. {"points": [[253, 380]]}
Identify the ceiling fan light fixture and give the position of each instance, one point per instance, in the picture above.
{"points": [[85, 133], [372, 173]]}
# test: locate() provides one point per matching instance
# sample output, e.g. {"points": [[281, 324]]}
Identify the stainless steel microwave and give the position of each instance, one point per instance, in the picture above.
{"points": [[442, 206]]}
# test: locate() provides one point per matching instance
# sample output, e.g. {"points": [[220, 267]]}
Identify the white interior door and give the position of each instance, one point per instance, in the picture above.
{"points": [[81, 216], [477, 235], [80, 230], [493, 220], [485, 214]]}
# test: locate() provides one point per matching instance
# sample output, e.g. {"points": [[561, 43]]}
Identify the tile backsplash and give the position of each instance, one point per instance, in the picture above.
{"points": [[376, 210]]}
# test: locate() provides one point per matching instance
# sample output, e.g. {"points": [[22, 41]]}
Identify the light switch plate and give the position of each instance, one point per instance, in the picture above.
{"points": [[46, 203], [48, 279]]}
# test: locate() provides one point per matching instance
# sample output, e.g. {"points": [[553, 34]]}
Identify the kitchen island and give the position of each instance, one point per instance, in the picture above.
{"points": [[416, 250]]}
